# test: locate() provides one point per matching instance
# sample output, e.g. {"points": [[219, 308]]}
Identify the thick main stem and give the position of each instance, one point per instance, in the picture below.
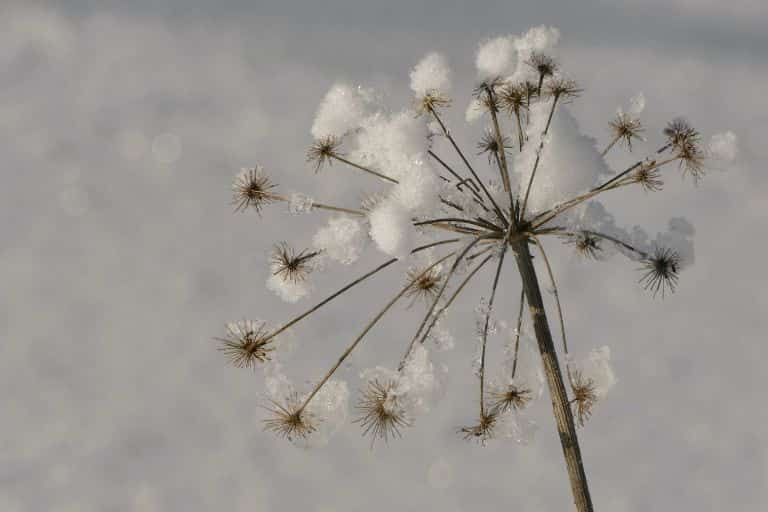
{"points": [[560, 405]]}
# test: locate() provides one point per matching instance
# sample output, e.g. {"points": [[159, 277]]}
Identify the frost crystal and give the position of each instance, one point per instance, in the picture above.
{"points": [[596, 367], [330, 408], [342, 239], [289, 291], [343, 108], [299, 203]]}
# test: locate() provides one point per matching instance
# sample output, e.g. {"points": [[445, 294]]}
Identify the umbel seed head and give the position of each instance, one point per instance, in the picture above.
{"points": [[289, 420], [381, 415], [251, 188], [323, 151], [424, 285], [483, 431], [489, 145], [290, 265], [543, 64], [661, 271], [626, 128], [585, 244], [510, 398], [649, 178], [433, 100], [584, 397], [246, 343]]}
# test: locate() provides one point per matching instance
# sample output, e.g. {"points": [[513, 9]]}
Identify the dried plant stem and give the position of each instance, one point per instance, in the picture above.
{"points": [[352, 284], [368, 327], [538, 156], [496, 277], [461, 180], [319, 206], [610, 145], [560, 404], [520, 137], [556, 293], [364, 169], [439, 294], [518, 332], [500, 153], [466, 162], [614, 240], [613, 183]]}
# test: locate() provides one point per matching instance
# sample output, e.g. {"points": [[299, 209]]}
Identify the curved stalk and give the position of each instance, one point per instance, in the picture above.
{"points": [[485, 328]]}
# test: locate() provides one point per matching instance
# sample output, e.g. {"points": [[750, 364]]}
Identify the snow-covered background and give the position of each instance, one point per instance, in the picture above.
{"points": [[121, 126]]}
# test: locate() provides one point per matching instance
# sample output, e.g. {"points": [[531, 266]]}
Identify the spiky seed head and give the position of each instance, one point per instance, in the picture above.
{"points": [[661, 271], [288, 419], [433, 100], [531, 90], [692, 160], [489, 145], [508, 398], [246, 343], [290, 265], [585, 244], [424, 284], [563, 88], [584, 397], [513, 98], [381, 415], [649, 178], [251, 188], [486, 93], [679, 133], [542, 63], [483, 431], [627, 128], [323, 150]]}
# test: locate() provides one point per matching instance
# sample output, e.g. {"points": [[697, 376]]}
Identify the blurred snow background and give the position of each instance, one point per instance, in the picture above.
{"points": [[121, 126]]}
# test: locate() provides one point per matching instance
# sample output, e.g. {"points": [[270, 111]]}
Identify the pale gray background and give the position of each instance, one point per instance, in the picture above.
{"points": [[121, 125]]}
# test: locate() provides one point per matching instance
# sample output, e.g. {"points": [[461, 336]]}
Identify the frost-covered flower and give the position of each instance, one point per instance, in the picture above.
{"points": [[251, 189]]}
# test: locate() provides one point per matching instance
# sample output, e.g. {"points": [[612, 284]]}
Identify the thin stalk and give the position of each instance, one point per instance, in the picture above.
{"points": [[484, 225], [352, 284], [609, 185], [485, 328], [368, 327], [500, 154], [538, 156], [448, 277], [518, 332], [597, 234], [519, 129], [319, 206], [461, 179], [466, 162], [557, 302], [610, 145], [364, 169], [560, 404]]}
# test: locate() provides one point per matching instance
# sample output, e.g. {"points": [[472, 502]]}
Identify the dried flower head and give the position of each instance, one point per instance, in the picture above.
{"points": [[586, 244], [484, 431], [679, 133], [508, 398], [288, 419], [584, 397], [489, 145], [252, 188], [661, 271], [626, 128], [323, 150], [692, 159], [246, 343], [290, 265], [433, 100], [542, 63], [513, 98], [563, 88], [381, 415], [649, 178], [424, 284]]}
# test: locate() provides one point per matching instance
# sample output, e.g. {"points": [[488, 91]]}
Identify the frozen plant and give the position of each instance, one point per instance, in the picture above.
{"points": [[542, 181]]}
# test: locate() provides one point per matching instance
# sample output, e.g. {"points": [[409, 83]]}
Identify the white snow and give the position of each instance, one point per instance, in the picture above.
{"points": [[431, 74], [342, 239], [343, 109]]}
